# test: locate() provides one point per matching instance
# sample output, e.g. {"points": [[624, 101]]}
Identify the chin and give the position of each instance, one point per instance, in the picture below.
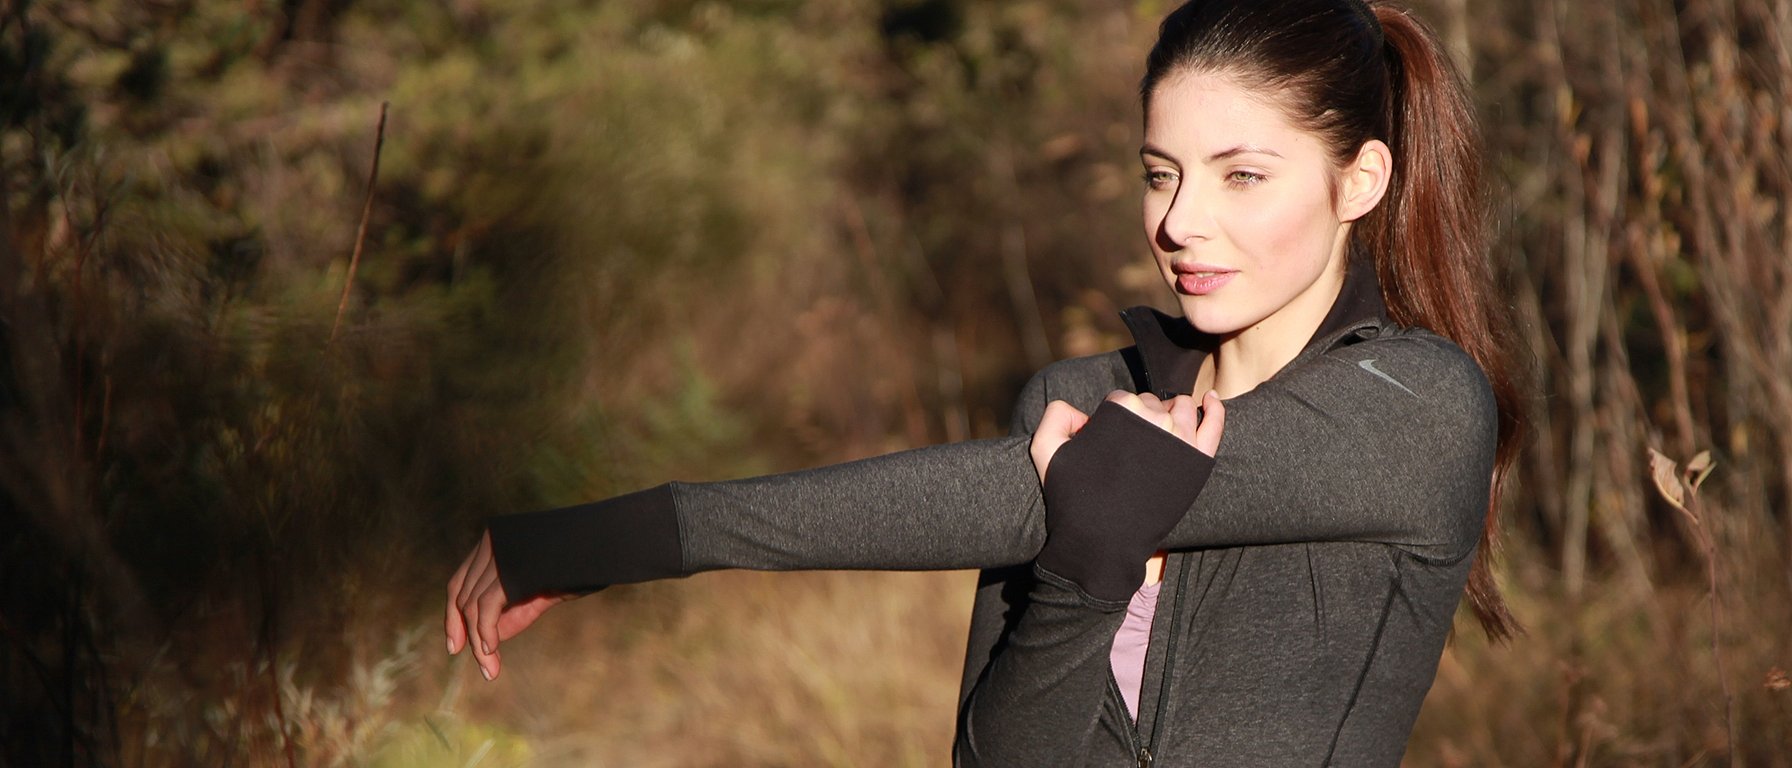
{"points": [[1207, 321]]}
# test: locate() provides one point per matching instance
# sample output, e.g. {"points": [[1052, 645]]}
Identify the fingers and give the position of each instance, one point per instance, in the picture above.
{"points": [[1182, 416], [484, 624], [1130, 400], [457, 629], [1145, 405], [475, 607], [1185, 417], [1213, 422], [459, 591], [476, 565]]}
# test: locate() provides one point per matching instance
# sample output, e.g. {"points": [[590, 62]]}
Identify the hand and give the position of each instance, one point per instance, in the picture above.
{"points": [[1062, 421], [1132, 471], [479, 612]]}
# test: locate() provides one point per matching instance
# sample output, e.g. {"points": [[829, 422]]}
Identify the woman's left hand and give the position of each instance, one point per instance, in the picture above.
{"points": [[480, 615]]}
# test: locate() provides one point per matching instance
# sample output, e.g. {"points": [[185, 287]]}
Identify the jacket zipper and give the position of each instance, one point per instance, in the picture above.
{"points": [[1137, 741], [1163, 690]]}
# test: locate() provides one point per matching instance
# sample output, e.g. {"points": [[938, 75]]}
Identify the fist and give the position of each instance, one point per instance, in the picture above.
{"points": [[1197, 423]]}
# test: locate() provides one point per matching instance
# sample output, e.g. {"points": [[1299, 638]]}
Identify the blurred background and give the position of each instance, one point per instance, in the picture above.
{"points": [[610, 244]]}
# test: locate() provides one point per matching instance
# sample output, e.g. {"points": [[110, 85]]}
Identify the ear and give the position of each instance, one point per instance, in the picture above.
{"points": [[1365, 180]]}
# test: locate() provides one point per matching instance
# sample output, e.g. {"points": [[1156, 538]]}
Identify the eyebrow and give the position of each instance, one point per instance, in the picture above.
{"points": [[1241, 149], [1151, 149]]}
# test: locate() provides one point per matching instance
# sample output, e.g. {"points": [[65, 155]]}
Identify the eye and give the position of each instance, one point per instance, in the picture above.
{"points": [[1244, 178], [1158, 178]]}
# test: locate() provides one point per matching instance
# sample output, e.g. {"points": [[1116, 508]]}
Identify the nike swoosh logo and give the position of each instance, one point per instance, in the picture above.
{"points": [[1369, 365]]}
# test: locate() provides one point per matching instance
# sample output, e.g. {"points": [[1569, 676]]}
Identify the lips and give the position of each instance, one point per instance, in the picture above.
{"points": [[1200, 279]]}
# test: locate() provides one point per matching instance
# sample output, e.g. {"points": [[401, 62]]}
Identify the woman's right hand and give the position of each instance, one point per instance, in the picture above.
{"points": [[1178, 417], [1121, 486], [479, 613]]}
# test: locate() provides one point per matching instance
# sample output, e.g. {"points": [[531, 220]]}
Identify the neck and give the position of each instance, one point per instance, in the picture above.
{"points": [[1247, 358]]}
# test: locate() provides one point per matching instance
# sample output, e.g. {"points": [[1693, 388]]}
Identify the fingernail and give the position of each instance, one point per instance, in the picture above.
{"points": [[486, 647], [487, 673], [450, 646]]}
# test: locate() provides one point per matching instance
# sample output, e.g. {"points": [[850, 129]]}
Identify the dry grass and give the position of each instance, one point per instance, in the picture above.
{"points": [[1620, 678], [732, 669]]}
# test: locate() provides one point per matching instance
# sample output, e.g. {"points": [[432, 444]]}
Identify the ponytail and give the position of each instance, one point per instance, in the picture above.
{"points": [[1430, 238]]}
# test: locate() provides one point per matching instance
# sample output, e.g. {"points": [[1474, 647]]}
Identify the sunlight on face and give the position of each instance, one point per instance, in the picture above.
{"points": [[1239, 211]]}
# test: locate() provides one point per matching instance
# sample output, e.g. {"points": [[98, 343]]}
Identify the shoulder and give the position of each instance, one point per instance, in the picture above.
{"points": [[1429, 354], [1427, 414], [1410, 369], [1396, 427]]}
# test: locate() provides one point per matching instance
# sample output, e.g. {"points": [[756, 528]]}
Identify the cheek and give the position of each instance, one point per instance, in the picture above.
{"points": [[1283, 229]]}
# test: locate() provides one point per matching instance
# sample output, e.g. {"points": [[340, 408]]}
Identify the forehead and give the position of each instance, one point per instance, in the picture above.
{"points": [[1196, 114]]}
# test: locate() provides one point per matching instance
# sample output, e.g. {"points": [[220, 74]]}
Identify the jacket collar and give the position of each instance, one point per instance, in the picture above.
{"points": [[1167, 352]]}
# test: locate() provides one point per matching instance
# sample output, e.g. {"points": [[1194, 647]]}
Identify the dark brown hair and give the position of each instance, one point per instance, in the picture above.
{"points": [[1350, 71]]}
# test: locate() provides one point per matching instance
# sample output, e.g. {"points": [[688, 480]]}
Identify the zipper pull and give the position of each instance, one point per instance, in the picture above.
{"points": [[1144, 757]]}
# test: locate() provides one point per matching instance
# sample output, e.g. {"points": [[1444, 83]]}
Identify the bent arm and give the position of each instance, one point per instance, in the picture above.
{"points": [[1041, 700], [1398, 451]]}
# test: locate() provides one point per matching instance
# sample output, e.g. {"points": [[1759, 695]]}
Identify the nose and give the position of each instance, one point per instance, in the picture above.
{"points": [[1183, 223]]}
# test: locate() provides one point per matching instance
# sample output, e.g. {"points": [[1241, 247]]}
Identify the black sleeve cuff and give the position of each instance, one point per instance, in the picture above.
{"points": [[1111, 495], [622, 540]]}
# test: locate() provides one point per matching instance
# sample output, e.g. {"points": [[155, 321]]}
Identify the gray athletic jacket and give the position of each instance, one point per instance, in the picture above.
{"points": [[1305, 602]]}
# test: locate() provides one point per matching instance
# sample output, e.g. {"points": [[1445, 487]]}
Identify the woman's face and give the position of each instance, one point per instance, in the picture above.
{"points": [[1239, 210]]}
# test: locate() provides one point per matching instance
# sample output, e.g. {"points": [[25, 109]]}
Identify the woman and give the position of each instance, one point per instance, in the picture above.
{"points": [[1269, 585]]}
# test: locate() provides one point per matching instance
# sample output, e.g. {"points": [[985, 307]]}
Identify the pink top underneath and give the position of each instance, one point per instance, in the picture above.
{"points": [[1128, 656]]}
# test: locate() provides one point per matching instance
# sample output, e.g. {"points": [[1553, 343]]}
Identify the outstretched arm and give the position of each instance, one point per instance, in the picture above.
{"points": [[903, 510], [961, 505]]}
